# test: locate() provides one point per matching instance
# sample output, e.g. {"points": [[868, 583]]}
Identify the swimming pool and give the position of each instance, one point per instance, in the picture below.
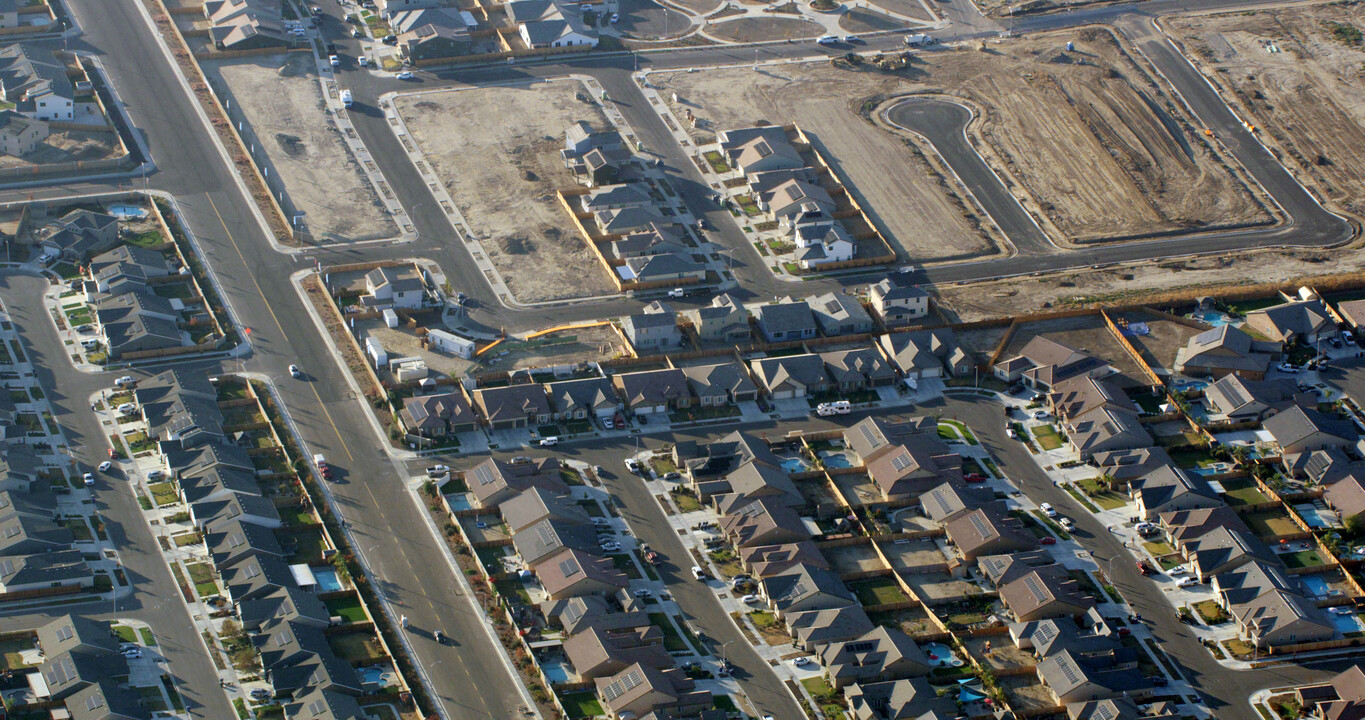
{"points": [[941, 656], [327, 579], [1316, 585], [556, 672], [1213, 317], [835, 460], [1187, 385], [128, 212], [459, 501], [1347, 623], [376, 674], [1312, 516], [794, 465]]}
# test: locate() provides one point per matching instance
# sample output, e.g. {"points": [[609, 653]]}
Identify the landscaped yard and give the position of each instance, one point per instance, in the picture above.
{"points": [[1211, 612], [1243, 491], [1047, 437], [877, 591], [356, 648], [673, 642], [201, 574], [164, 493], [512, 589], [581, 705], [309, 549], [1101, 495], [1158, 548], [1190, 457], [686, 502], [9, 654], [1268, 523], [347, 608], [955, 429], [772, 629], [625, 564], [1303, 558]]}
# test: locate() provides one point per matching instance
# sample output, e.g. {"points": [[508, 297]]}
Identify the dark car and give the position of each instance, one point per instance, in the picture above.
{"points": [[390, 40], [1158, 680]]}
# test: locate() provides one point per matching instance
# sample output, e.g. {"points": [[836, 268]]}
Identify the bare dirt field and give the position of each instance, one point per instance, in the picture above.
{"points": [[1086, 333], [1100, 147], [1296, 73], [69, 146], [647, 19], [922, 221], [761, 29], [503, 168], [1161, 340], [283, 104], [564, 348], [861, 21]]}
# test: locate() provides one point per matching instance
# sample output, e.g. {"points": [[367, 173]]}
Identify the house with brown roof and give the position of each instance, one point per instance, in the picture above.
{"points": [[1347, 497], [881, 654], [596, 653], [814, 629], [758, 149], [755, 480], [720, 384], [1238, 399], [1170, 488], [514, 406], [1279, 618], [765, 521], [764, 560], [640, 690], [988, 530], [915, 465], [536, 504], [584, 398], [1044, 362], [1345, 696], [494, 481], [438, 415], [1182, 526], [1043, 591], [1079, 395], [572, 572], [1296, 321], [1226, 350], [803, 588], [857, 369], [1103, 428]]}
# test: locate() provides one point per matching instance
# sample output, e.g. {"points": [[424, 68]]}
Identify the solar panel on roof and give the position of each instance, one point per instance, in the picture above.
{"points": [[1105, 711], [65, 632], [1069, 671], [569, 567], [1031, 582], [484, 475], [95, 700], [317, 707], [979, 525]]}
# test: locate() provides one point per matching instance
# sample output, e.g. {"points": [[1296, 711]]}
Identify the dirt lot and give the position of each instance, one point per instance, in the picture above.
{"points": [[68, 146], [914, 554], [1287, 71], [751, 29], [921, 221], [485, 161], [1086, 333], [1163, 338], [861, 21], [1145, 283], [854, 558], [283, 103], [935, 586], [566, 348], [1099, 146]]}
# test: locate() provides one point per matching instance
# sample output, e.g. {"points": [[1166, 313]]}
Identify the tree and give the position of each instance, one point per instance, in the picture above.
{"points": [[232, 633], [342, 567], [246, 659]]}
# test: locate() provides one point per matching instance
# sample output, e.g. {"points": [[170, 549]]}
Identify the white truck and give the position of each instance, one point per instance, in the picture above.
{"points": [[919, 40], [346, 98]]}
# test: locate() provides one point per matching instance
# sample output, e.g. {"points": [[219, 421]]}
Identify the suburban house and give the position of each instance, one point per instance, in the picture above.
{"points": [[896, 302], [615, 197], [675, 266], [1183, 526], [1033, 586], [654, 329], [1301, 321], [653, 391], [137, 322], [435, 416], [391, 8], [988, 530], [724, 321], [1105, 427], [594, 156], [720, 384], [764, 560], [1221, 550], [653, 239], [1124, 465], [588, 398], [536, 504], [1341, 699], [548, 24], [785, 321], [1043, 362], [766, 520], [803, 588], [879, 655], [1079, 395], [756, 480], [126, 268], [1226, 350], [641, 691], [926, 353], [1297, 431], [1278, 618], [80, 235], [595, 652], [494, 482], [1347, 497], [34, 80], [514, 406], [903, 699], [813, 629], [792, 199], [1169, 489], [20, 134], [572, 572], [9, 14], [791, 376], [245, 24], [433, 32], [858, 369], [1238, 399], [758, 149], [840, 314], [394, 287], [1078, 676]]}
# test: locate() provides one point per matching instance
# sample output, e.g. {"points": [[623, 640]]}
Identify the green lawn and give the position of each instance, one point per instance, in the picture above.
{"points": [[189, 538], [716, 161], [962, 429], [1188, 457], [1303, 559], [1100, 494], [310, 548], [1158, 548], [151, 238], [512, 589], [297, 516], [686, 502], [164, 493], [9, 654], [1047, 437], [1243, 492], [1211, 612], [148, 638], [581, 705], [201, 575], [673, 642], [623, 562], [877, 591], [348, 608], [1082, 499]]}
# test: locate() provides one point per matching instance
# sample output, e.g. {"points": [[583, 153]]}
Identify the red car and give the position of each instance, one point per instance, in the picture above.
{"points": [[1049, 540], [1144, 568], [974, 478]]}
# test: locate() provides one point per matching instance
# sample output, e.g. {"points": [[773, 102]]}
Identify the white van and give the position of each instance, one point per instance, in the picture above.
{"points": [[346, 98], [826, 40], [548, 441]]}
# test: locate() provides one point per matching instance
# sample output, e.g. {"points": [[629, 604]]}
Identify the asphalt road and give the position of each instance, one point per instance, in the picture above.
{"points": [[155, 599]]}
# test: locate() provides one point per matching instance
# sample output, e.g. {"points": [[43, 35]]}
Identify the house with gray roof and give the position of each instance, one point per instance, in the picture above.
{"points": [[768, 519], [1223, 549], [435, 32], [1076, 677], [286, 603], [926, 353], [840, 314], [1298, 431], [677, 266], [236, 506], [754, 480], [1251, 580], [438, 415], [126, 268], [1279, 618], [794, 198], [555, 25], [1183, 526], [725, 321], [545, 537], [231, 542], [898, 302], [35, 82], [585, 398], [80, 234], [814, 629], [1239, 399], [903, 699], [535, 504], [1226, 350], [514, 406], [319, 704], [1044, 362], [394, 287], [1303, 321], [951, 498], [655, 329], [1170, 488], [785, 321], [758, 149], [791, 376], [803, 588], [857, 369], [615, 197], [652, 392], [255, 577], [44, 571], [656, 239], [720, 384], [879, 655]]}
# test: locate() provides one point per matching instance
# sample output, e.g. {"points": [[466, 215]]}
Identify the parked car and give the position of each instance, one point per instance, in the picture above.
{"points": [[1158, 680], [1177, 571], [1347, 337], [1048, 540], [674, 475], [749, 599], [698, 573], [1041, 415], [89, 479], [549, 441], [436, 471], [407, 75], [801, 661], [126, 381], [125, 409], [612, 546], [105, 466], [1286, 367], [335, 60], [1144, 568], [1066, 524], [1009, 431], [633, 465], [131, 652], [641, 593], [1187, 581], [1048, 510]]}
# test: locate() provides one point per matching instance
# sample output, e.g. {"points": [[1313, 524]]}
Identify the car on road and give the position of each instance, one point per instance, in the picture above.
{"points": [[1066, 524], [436, 471], [1009, 431], [105, 466], [749, 599], [698, 573], [1144, 568], [125, 381], [826, 40], [335, 60], [89, 479], [407, 75], [633, 465], [1347, 337], [1187, 581], [363, 61], [1048, 510], [677, 293], [295, 371], [1158, 680], [356, 33], [549, 441]]}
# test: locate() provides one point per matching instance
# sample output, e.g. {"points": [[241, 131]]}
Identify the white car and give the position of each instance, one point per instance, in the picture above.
{"points": [[131, 652], [1067, 524], [698, 573], [406, 75], [335, 61], [611, 546], [801, 661], [125, 409], [295, 371], [1041, 415], [363, 61], [125, 381], [89, 479], [749, 599], [1177, 571], [1009, 431], [677, 293], [1186, 582], [641, 593], [436, 471], [549, 441], [632, 465], [1286, 367], [104, 466], [1047, 510]]}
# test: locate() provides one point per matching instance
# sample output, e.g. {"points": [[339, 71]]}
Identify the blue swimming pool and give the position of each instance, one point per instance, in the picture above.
{"points": [[327, 579], [1347, 623], [375, 674], [127, 212], [794, 465], [1213, 317], [555, 672], [1316, 585], [1188, 385], [836, 460], [941, 656], [459, 501]]}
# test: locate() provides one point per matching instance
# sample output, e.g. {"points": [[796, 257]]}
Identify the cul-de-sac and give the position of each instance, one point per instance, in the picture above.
{"points": [[682, 359]]}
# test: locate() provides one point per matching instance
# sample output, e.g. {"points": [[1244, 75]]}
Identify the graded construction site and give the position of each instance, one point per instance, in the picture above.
{"points": [[501, 165], [1295, 74], [282, 101], [1096, 148]]}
